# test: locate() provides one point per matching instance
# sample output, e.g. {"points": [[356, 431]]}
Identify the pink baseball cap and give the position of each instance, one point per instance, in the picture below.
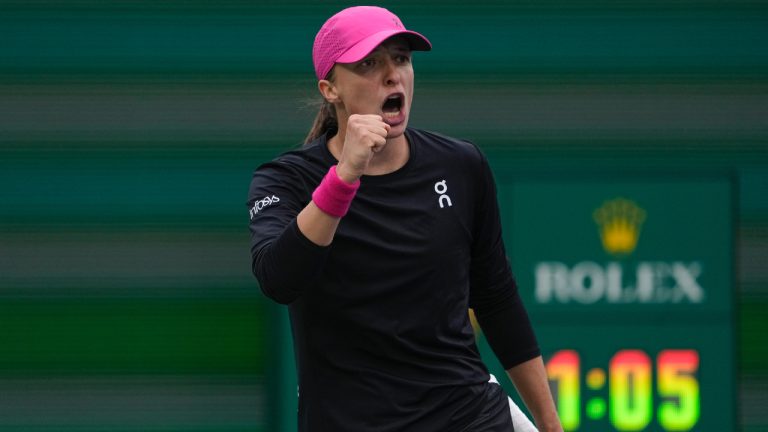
{"points": [[353, 33]]}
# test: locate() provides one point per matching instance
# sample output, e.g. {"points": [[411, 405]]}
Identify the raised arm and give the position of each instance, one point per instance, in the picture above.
{"points": [[289, 243]]}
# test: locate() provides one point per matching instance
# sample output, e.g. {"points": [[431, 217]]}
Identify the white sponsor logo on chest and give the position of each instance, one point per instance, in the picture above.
{"points": [[441, 189]]}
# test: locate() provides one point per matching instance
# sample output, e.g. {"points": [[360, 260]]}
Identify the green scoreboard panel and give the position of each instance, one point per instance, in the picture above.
{"points": [[629, 283]]}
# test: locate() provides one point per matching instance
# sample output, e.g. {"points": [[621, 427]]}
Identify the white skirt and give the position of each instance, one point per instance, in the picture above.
{"points": [[519, 420]]}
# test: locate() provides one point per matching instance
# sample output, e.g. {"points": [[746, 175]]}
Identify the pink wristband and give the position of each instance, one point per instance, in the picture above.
{"points": [[334, 196]]}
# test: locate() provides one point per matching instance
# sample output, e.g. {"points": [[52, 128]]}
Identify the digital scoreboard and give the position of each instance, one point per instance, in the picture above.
{"points": [[629, 284]]}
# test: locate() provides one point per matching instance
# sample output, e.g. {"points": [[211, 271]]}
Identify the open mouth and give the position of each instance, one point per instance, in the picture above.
{"points": [[392, 105]]}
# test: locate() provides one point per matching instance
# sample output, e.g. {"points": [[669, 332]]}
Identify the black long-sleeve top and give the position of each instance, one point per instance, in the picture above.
{"points": [[381, 333]]}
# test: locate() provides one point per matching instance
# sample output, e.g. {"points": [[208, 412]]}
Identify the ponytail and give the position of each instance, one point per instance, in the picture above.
{"points": [[324, 121]]}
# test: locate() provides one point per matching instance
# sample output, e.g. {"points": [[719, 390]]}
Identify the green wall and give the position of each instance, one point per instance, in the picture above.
{"points": [[129, 131]]}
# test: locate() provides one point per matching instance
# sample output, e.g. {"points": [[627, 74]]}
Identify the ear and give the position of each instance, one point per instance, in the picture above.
{"points": [[328, 90]]}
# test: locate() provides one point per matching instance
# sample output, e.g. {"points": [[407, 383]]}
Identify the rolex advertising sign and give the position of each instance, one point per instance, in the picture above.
{"points": [[629, 284], [620, 280], [621, 246]]}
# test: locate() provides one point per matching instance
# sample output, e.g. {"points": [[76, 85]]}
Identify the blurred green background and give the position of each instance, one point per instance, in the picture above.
{"points": [[129, 131]]}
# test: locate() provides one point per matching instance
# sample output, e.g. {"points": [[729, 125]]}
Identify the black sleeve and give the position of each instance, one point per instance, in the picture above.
{"points": [[493, 290], [283, 260]]}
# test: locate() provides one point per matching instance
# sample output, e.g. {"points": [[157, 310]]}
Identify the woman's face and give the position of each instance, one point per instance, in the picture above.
{"points": [[381, 83]]}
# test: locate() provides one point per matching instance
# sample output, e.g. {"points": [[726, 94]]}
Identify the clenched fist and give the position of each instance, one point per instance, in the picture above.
{"points": [[366, 135]]}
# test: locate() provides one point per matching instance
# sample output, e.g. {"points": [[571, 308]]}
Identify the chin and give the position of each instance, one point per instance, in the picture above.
{"points": [[397, 131]]}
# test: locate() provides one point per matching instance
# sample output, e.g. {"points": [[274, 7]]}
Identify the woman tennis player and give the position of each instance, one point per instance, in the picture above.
{"points": [[379, 237]]}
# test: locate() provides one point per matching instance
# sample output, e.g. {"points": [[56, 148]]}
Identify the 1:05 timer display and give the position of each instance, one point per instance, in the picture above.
{"points": [[630, 405]]}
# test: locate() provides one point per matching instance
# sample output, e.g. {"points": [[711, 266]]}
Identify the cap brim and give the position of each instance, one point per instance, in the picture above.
{"points": [[361, 49]]}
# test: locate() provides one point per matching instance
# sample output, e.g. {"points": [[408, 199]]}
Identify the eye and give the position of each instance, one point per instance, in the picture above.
{"points": [[402, 58], [367, 63]]}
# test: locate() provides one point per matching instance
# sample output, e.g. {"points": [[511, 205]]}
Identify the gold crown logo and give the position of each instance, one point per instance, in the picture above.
{"points": [[619, 221]]}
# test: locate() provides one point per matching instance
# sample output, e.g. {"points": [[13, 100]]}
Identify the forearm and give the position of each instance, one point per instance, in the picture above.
{"points": [[316, 225], [507, 328], [530, 380], [319, 220]]}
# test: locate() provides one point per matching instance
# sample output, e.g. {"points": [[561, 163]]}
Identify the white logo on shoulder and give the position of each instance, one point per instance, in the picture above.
{"points": [[441, 188], [261, 204]]}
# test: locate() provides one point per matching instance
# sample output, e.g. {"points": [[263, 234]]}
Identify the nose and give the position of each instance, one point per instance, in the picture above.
{"points": [[391, 76]]}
